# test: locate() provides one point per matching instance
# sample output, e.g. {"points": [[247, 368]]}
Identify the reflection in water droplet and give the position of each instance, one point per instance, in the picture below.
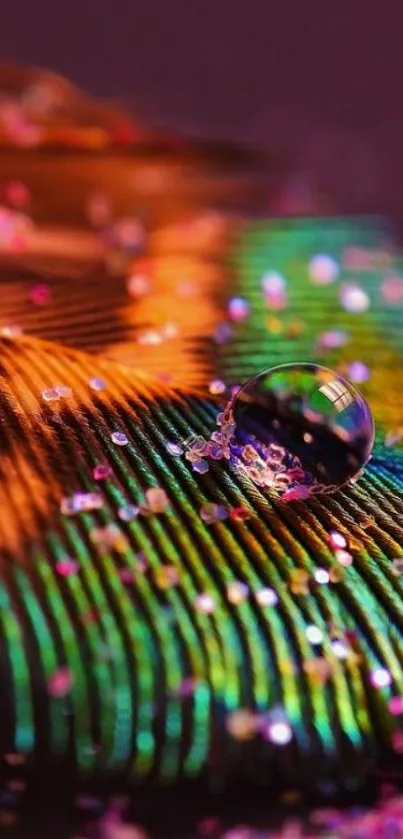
{"points": [[299, 428]]}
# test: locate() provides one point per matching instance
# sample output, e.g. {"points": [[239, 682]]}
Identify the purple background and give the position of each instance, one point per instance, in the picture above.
{"points": [[322, 79]]}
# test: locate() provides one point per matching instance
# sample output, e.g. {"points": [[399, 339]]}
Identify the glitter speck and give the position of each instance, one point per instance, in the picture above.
{"points": [[170, 330], [238, 309], [242, 724], [126, 576], [157, 500], [239, 514], [299, 581], [314, 634], [50, 395], [97, 384], [11, 331], [393, 438], [216, 387], [334, 339], [397, 743], [357, 258], [397, 565], [60, 683], [392, 289], [81, 502], [167, 577], [396, 705], [205, 603], [109, 536], [200, 466], [175, 449], [63, 391], [344, 558], [53, 394], [18, 195], [321, 576], [128, 233], [340, 649], [211, 513], [138, 285], [40, 294], [151, 338], [279, 733], [98, 210], [266, 597], [323, 269], [67, 567], [337, 540], [353, 298], [358, 372], [299, 493], [102, 471], [128, 512], [380, 678], [274, 290], [223, 333], [237, 592], [119, 438]]}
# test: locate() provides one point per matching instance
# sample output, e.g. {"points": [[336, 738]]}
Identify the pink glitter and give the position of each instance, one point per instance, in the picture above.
{"points": [[337, 540], [396, 705], [238, 309], [67, 567], [17, 193], [40, 294], [392, 289], [102, 471], [60, 683]]}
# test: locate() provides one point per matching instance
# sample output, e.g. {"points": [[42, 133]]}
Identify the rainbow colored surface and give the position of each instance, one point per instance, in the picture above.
{"points": [[152, 637]]}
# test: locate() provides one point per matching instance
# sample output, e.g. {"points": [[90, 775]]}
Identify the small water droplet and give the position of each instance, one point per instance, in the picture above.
{"points": [[300, 425]]}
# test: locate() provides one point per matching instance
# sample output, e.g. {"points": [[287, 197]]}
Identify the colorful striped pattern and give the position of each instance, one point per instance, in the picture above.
{"points": [[155, 680]]}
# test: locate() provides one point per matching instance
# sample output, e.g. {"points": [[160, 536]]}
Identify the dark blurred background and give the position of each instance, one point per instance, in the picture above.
{"points": [[319, 80]]}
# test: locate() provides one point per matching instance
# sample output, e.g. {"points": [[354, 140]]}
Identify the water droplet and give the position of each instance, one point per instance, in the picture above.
{"points": [[300, 426]]}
